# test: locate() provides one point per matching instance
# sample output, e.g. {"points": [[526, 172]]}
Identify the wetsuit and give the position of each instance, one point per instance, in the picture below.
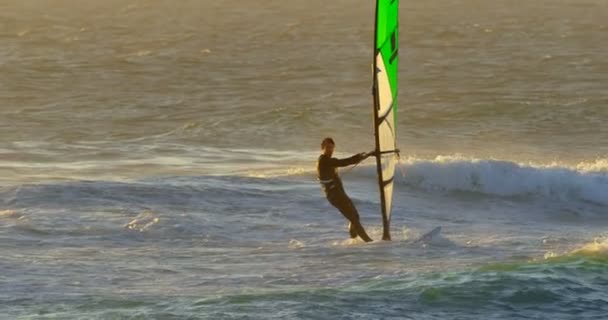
{"points": [[332, 185]]}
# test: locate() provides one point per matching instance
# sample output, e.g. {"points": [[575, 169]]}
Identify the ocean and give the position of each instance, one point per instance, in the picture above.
{"points": [[157, 160]]}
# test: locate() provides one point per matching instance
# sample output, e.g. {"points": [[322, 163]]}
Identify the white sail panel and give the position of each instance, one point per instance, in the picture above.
{"points": [[386, 134]]}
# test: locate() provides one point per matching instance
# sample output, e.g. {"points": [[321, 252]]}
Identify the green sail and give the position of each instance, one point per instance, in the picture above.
{"points": [[386, 61]]}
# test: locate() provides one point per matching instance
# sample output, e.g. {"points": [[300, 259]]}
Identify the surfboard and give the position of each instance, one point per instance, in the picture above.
{"points": [[385, 67], [428, 236]]}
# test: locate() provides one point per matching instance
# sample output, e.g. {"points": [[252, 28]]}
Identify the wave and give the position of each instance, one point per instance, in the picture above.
{"points": [[583, 182], [504, 178], [520, 290], [596, 250], [586, 181]]}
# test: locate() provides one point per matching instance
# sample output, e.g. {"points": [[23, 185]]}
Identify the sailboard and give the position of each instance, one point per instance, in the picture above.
{"points": [[385, 68], [428, 236]]}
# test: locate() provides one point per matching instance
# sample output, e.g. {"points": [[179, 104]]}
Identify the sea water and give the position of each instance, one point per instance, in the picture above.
{"points": [[157, 160]]}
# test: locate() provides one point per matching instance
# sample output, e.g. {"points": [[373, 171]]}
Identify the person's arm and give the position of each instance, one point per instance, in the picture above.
{"points": [[335, 162]]}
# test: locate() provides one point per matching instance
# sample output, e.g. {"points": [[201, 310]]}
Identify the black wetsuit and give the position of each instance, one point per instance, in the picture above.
{"points": [[332, 185]]}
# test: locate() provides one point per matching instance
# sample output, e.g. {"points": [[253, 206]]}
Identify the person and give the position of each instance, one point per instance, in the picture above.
{"points": [[331, 183]]}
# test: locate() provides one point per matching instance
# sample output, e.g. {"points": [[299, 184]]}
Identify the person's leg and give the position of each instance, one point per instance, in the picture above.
{"points": [[360, 230], [351, 230], [348, 210]]}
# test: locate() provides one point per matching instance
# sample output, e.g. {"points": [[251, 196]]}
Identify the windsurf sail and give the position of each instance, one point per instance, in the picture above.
{"points": [[385, 62]]}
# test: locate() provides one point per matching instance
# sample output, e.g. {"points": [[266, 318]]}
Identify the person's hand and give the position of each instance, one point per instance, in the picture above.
{"points": [[364, 155]]}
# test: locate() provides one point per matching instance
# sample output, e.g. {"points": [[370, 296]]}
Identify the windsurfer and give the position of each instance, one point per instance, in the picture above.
{"points": [[332, 185]]}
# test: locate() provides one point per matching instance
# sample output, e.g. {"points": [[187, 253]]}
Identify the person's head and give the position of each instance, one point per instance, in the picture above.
{"points": [[327, 146]]}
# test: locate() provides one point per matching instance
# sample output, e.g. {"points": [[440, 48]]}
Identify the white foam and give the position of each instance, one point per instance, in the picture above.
{"points": [[295, 244], [598, 246], [143, 221], [11, 214]]}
